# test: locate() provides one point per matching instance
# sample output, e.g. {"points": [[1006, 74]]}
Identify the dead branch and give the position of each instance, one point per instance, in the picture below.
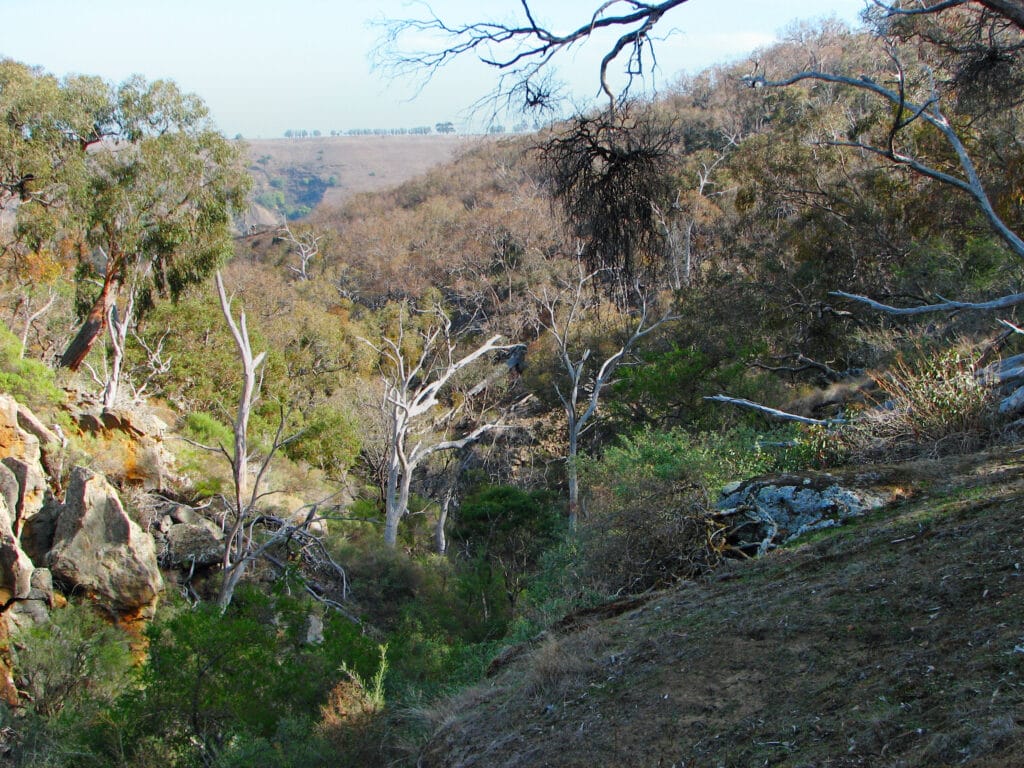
{"points": [[773, 412], [946, 305], [521, 51], [930, 113]]}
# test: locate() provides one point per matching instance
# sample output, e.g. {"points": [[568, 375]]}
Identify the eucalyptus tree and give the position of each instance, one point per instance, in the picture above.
{"points": [[157, 217], [132, 182], [419, 362]]}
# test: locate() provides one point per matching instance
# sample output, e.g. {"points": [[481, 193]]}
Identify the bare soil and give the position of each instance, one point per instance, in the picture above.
{"points": [[897, 641]]}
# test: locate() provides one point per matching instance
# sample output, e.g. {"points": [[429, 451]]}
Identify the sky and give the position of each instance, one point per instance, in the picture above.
{"points": [[266, 66]]}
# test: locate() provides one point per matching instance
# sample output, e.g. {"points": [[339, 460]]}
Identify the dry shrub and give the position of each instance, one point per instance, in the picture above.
{"points": [[936, 405], [650, 539], [349, 720]]}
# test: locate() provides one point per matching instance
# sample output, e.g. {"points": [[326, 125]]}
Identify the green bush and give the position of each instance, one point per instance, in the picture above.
{"points": [[73, 669], [29, 381], [215, 686], [648, 520], [205, 429], [330, 439]]}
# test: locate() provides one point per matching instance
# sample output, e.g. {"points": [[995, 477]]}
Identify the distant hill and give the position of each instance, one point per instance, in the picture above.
{"points": [[294, 176]]}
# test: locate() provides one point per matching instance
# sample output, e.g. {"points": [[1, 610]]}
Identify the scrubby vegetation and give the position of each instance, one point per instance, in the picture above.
{"points": [[735, 210]]}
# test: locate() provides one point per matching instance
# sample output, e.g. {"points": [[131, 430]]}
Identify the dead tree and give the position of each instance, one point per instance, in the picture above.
{"points": [[417, 418], [306, 245], [585, 380], [238, 545]]}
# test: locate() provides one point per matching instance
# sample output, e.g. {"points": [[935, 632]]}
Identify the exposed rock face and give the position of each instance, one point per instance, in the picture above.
{"points": [[21, 453], [37, 532], [131, 448], [766, 511], [100, 551], [15, 566], [34, 609]]}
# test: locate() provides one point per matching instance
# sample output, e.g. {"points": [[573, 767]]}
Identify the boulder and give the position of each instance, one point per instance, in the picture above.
{"points": [[766, 511], [51, 444], [34, 610], [37, 531], [101, 552], [130, 446], [201, 543]]}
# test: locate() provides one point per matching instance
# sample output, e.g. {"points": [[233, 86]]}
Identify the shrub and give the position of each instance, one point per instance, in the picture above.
{"points": [[647, 521], [330, 440], [933, 405], [29, 381], [74, 659], [72, 668]]}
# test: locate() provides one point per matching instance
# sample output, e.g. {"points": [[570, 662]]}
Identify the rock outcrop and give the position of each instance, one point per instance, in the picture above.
{"points": [[130, 449], [15, 566], [21, 452], [101, 552]]}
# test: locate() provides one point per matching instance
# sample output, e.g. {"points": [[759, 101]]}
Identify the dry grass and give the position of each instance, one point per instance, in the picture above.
{"points": [[359, 163], [933, 406], [558, 666]]}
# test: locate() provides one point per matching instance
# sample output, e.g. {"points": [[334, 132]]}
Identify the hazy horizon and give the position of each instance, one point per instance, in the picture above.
{"points": [[263, 70]]}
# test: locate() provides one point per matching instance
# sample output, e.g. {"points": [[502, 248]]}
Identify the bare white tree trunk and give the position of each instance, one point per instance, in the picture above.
{"points": [[563, 314], [236, 546], [118, 329], [412, 390], [307, 246]]}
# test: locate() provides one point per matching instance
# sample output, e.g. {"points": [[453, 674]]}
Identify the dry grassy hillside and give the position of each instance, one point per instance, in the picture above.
{"points": [[895, 642], [329, 169]]}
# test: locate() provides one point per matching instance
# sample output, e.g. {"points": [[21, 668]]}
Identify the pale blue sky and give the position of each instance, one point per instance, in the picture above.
{"points": [[264, 67]]}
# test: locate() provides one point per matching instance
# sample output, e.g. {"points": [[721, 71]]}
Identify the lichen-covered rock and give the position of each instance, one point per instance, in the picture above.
{"points": [[101, 552], [766, 511], [9, 488], [34, 609]]}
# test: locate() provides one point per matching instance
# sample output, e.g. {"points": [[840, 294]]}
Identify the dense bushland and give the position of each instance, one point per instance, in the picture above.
{"points": [[755, 207]]}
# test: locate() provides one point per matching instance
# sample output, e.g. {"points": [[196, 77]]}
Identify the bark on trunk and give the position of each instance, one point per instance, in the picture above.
{"points": [[94, 325]]}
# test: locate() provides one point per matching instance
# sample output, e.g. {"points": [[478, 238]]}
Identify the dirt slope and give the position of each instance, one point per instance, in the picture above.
{"points": [[897, 642]]}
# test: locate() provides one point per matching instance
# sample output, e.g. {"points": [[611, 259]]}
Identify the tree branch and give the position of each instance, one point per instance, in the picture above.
{"points": [[945, 305]]}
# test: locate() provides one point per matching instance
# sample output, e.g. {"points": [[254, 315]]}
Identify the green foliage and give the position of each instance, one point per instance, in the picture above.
{"points": [[507, 528], [707, 459], [330, 439], [648, 520], [73, 669], [29, 381], [74, 661], [213, 684], [204, 428]]}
